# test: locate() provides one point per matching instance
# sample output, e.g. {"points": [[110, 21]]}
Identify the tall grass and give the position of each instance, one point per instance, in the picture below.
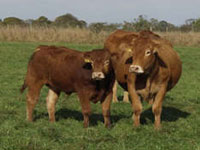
{"points": [[44, 34], [76, 35], [182, 38]]}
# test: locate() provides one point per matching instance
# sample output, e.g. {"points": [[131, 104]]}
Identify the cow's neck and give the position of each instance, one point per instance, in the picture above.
{"points": [[153, 69], [152, 74]]}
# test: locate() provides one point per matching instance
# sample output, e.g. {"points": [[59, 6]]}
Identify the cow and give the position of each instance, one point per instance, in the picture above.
{"points": [[89, 74], [146, 66]]}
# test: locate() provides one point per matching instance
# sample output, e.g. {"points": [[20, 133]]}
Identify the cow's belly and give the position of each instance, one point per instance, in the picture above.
{"points": [[139, 84], [154, 88], [66, 86]]}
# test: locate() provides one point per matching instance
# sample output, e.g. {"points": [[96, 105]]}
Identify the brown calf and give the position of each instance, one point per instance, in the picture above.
{"points": [[145, 65], [89, 74]]}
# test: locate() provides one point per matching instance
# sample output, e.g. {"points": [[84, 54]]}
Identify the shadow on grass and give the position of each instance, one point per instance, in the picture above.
{"points": [[169, 114], [120, 98], [77, 115]]}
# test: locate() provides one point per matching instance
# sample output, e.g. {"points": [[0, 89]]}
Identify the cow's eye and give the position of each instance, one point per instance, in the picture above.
{"points": [[148, 52], [106, 62]]}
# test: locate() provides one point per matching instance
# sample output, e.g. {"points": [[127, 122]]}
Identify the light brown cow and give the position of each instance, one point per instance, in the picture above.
{"points": [[89, 74], [145, 65]]}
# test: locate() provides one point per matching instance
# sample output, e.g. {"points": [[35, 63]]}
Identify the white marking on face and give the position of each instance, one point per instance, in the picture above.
{"points": [[135, 69], [98, 75]]}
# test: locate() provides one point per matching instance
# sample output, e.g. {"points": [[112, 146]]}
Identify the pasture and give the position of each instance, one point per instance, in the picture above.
{"points": [[180, 117]]}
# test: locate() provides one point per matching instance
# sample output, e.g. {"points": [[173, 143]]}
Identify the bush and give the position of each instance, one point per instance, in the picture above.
{"points": [[13, 21]]}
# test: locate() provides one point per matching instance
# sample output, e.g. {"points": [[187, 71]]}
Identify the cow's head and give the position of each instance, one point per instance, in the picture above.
{"points": [[144, 53], [143, 59], [99, 62]]}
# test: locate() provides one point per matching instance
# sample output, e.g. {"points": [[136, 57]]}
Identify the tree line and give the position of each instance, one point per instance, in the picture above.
{"points": [[70, 21]]}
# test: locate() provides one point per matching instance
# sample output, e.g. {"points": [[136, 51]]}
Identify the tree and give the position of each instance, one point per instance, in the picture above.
{"points": [[112, 27], [1, 22], [82, 24], [163, 26], [141, 23], [188, 26], [13, 21], [196, 25], [128, 26], [97, 27], [185, 28], [154, 24], [189, 21], [29, 21], [68, 20], [41, 21]]}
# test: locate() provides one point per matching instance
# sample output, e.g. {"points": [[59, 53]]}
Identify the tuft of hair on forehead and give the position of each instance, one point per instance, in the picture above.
{"points": [[97, 53], [148, 34]]}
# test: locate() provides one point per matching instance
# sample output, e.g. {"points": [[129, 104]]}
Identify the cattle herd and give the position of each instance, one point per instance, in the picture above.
{"points": [[144, 64]]}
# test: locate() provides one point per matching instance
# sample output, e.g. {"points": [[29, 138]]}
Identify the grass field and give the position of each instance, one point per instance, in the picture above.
{"points": [[180, 117]]}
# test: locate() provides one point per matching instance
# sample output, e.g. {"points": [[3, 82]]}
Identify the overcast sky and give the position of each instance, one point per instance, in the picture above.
{"points": [[112, 11]]}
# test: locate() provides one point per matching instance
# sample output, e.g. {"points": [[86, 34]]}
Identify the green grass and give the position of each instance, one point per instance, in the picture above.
{"points": [[180, 118]]}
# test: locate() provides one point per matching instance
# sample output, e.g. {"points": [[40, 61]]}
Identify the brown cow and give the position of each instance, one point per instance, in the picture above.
{"points": [[89, 74], [145, 65]]}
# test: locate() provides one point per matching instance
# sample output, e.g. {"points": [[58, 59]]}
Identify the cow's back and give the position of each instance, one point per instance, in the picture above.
{"points": [[59, 67], [118, 41]]}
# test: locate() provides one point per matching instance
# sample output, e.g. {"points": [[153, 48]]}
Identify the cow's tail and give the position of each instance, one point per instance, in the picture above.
{"points": [[24, 86]]}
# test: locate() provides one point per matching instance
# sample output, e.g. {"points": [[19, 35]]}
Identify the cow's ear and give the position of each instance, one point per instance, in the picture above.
{"points": [[129, 60], [161, 62], [86, 60], [129, 50], [155, 51], [106, 63]]}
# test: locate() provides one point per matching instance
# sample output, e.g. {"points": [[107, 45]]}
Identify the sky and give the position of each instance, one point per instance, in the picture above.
{"points": [[111, 11]]}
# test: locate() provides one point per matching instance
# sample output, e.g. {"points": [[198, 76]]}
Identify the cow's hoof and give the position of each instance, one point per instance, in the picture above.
{"points": [[158, 127], [108, 126]]}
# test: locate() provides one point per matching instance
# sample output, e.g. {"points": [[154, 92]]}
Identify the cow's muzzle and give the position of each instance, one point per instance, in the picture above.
{"points": [[98, 75], [136, 69]]}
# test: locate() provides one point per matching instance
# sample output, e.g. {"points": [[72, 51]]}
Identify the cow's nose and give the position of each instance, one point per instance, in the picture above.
{"points": [[98, 75], [136, 69]]}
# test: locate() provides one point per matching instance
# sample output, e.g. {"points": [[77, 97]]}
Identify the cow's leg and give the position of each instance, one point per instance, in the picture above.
{"points": [[106, 109], [114, 97], [126, 98], [136, 103], [157, 106], [51, 100], [32, 99], [86, 109]]}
